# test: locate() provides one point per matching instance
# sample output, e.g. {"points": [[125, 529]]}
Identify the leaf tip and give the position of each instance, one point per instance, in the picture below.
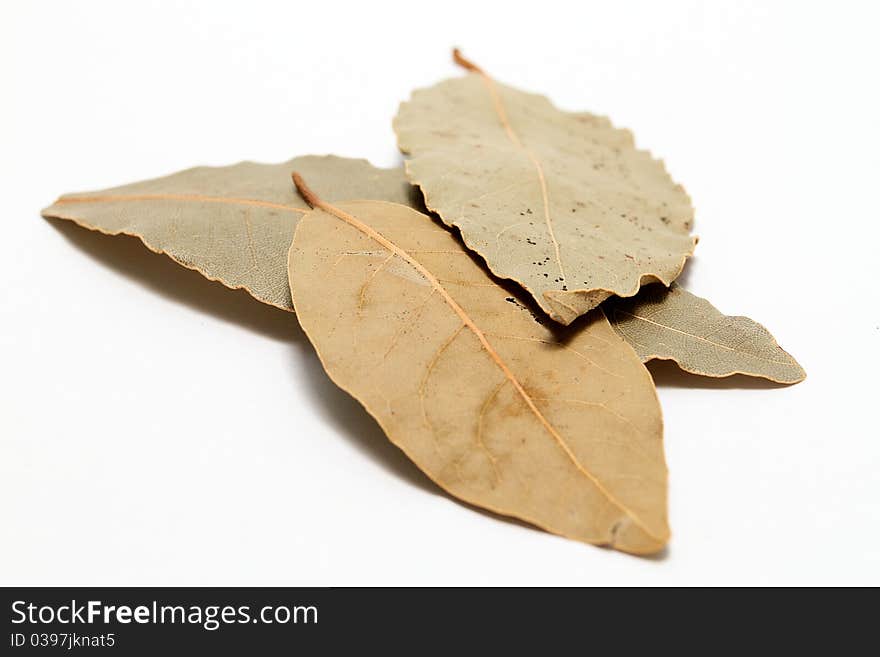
{"points": [[800, 374], [630, 537]]}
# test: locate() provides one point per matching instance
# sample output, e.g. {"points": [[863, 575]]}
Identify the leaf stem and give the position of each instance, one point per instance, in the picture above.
{"points": [[308, 195], [465, 63]]}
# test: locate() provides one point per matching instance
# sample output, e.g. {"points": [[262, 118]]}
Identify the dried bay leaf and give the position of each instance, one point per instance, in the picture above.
{"points": [[562, 203], [560, 427], [676, 325], [232, 224]]}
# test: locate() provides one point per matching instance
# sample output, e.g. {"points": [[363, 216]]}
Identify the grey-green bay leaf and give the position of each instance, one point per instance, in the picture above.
{"points": [[559, 427], [562, 203], [233, 224], [673, 324]]}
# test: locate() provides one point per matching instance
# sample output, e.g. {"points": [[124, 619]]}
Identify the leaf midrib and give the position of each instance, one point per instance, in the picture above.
{"points": [[702, 339], [193, 198], [539, 170]]}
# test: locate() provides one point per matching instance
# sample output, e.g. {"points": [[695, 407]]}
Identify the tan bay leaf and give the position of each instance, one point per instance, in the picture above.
{"points": [[233, 224], [557, 426], [676, 325], [562, 203]]}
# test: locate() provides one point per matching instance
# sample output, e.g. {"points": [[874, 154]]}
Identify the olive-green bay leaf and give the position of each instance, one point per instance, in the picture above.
{"points": [[562, 203], [559, 427], [673, 324], [233, 224]]}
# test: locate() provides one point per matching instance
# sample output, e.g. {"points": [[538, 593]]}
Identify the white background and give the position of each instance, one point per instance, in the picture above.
{"points": [[159, 429]]}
